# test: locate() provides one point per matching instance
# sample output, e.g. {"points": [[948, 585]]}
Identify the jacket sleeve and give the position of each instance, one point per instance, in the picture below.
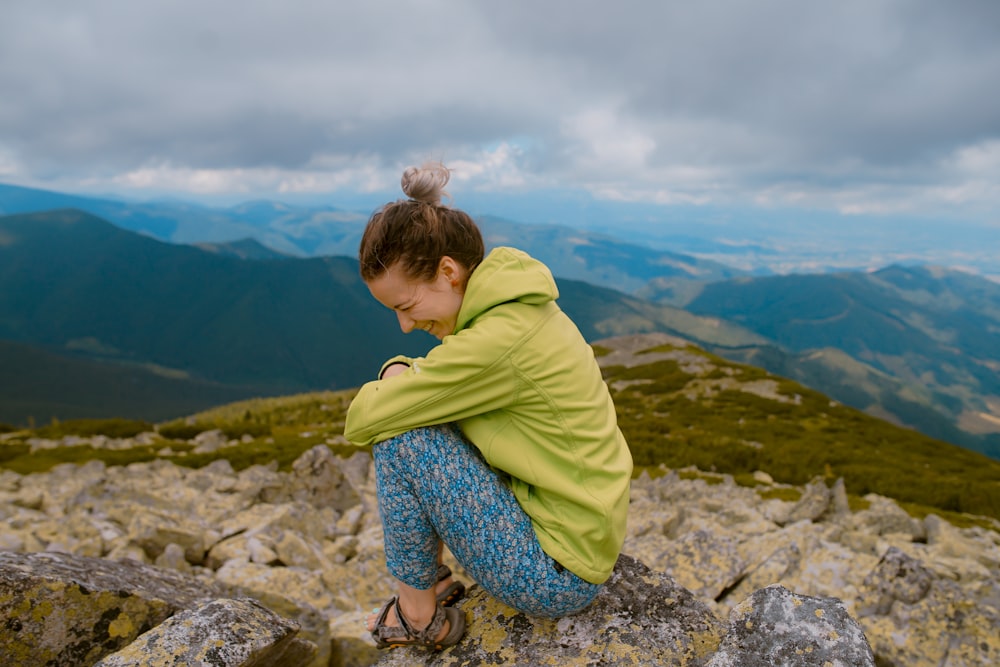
{"points": [[468, 374]]}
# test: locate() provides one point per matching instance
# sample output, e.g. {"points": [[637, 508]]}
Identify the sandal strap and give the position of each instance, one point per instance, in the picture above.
{"points": [[385, 634], [427, 636], [382, 633]]}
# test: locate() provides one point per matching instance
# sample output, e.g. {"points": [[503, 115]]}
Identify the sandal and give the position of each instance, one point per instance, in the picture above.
{"points": [[453, 593], [395, 636]]}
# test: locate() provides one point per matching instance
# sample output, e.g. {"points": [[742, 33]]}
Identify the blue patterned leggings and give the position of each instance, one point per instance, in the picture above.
{"points": [[433, 485]]}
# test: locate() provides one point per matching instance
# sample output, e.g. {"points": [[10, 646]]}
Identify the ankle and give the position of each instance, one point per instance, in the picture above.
{"points": [[418, 616]]}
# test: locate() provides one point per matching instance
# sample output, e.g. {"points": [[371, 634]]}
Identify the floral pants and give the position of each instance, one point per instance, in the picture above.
{"points": [[433, 485]]}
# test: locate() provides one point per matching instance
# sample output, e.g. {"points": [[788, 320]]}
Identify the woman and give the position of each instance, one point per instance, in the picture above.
{"points": [[502, 442]]}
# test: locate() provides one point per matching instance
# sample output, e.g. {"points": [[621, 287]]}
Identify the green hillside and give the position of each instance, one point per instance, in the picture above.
{"points": [[859, 385], [72, 282], [936, 332], [678, 406], [41, 385], [600, 312], [682, 406]]}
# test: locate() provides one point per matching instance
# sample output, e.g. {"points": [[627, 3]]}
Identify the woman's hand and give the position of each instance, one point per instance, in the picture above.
{"points": [[395, 369]]}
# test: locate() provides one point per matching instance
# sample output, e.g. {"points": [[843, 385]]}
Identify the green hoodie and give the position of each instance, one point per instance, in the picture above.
{"points": [[523, 385]]}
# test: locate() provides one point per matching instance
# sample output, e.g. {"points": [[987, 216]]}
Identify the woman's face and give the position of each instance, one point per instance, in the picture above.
{"points": [[431, 306]]}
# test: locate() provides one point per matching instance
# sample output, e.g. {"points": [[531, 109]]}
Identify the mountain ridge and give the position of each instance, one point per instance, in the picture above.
{"points": [[250, 320], [76, 284], [934, 331]]}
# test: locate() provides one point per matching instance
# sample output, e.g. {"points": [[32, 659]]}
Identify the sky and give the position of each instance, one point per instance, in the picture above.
{"points": [[876, 108]]}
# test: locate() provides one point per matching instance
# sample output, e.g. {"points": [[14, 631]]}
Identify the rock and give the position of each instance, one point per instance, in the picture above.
{"points": [[209, 441], [772, 570], [153, 531], [915, 618], [71, 610], [704, 563], [947, 540], [295, 593], [884, 516], [839, 504], [352, 645], [640, 617], [812, 505], [294, 550], [222, 633], [324, 568], [777, 627], [173, 558], [261, 483], [896, 577], [317, 478]]}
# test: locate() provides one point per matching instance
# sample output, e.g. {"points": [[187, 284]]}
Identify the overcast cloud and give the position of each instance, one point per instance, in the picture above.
{"points": [[860, 106]]}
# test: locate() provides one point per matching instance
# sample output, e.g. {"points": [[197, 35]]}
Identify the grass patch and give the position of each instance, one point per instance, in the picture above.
{"points": [[957, 519], [857, 503], [601, 351], [283, 448], [707, 477], [748, 480], [44, 460], [111, 428], [786, 493], [282, 429]]}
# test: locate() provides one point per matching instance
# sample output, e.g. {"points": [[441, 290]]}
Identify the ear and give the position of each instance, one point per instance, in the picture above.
{"points": [[452, 271]]}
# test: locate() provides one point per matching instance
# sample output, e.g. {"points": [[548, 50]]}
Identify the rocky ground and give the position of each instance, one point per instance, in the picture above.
{"points": [[307, 545]]}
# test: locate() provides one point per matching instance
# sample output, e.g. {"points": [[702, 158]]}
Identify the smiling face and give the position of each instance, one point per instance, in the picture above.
{"points": [[431, 306]]}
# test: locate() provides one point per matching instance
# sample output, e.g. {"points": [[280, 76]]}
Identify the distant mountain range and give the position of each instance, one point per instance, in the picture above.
{"points": [[74, 287], [918, 346], [324, 231]]}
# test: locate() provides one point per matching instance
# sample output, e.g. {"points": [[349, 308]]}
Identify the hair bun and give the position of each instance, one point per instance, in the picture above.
{"points": [[426, 183]]}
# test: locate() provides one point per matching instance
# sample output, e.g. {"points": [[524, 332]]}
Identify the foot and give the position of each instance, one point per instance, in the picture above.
{"points": [[419, 620], [445, 627]]}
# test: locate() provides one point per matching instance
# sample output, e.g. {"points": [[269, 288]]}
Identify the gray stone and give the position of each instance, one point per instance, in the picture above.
{"points": [[71, 610], [812, 505], [777, 628], [221, 633], [896, 577], [839, 504], [317, 478], [209, 441], [704, 563], [641, 617]]}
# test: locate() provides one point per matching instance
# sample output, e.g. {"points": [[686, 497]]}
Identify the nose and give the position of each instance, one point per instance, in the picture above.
{"points": [[406, 323]]}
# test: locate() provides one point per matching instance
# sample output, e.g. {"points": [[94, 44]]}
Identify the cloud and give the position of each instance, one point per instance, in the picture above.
{"points": [[856, 105]]}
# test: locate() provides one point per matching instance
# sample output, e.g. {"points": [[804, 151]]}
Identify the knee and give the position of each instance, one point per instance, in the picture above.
{"points": [[419, 440]]}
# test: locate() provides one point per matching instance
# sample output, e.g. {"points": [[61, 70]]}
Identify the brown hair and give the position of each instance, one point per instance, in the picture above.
{"points": [[419, 231]]}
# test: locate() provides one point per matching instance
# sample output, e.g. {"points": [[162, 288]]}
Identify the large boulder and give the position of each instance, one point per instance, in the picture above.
{"points": [[222, 633], [915, 617], [777, 627], [72, 610], [641, 617]]}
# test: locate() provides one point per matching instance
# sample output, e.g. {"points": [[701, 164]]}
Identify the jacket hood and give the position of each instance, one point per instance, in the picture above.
{"points": [[505, 274]]}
